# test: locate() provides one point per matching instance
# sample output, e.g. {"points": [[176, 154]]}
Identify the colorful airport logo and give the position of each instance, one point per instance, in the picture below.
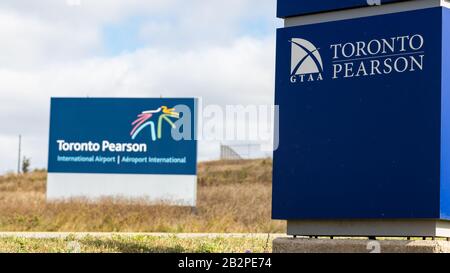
{"points": [[154, 119]]}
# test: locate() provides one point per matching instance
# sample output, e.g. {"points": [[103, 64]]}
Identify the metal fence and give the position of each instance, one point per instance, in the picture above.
{"points": [[242, 151]]}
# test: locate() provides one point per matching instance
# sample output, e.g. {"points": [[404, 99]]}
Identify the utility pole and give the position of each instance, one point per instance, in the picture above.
{"points": [[20, 152]]}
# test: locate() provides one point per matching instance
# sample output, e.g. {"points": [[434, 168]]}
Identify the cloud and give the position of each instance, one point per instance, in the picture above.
{"points": [[29, 42], [239, 74], [56, 51], [85, 11]]}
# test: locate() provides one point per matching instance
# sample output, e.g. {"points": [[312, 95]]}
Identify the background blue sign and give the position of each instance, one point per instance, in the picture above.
{"points": [[289, 8], [361, 110], [126, 136]]}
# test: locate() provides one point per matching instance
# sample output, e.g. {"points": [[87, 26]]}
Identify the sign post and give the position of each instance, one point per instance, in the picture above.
{"points": [[131, 148], [364, 98]]}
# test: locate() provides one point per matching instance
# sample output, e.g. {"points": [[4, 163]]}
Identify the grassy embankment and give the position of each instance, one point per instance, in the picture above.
{"points": [[233, 197]]}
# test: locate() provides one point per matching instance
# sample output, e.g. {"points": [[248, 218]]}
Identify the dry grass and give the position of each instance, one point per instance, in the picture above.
{"points": [[232, 197], [135, 244]]}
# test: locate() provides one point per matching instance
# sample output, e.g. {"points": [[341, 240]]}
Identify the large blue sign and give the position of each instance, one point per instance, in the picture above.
{"points": [[123, 136], [364, 118], [289, 8]]}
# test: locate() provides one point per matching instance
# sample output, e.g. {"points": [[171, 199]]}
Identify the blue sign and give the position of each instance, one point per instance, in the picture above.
{"points": [[364, 118], [123, 136], [289, 8]]}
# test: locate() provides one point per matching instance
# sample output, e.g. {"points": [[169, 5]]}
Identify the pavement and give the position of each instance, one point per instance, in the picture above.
{"points": [[308, 245]]}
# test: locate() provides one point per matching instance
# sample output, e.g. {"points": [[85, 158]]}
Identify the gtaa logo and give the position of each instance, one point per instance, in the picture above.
{"points": [[306, 62]]}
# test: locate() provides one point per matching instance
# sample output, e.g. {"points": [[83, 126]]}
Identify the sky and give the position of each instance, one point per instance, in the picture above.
{"points": [[220, 51]]}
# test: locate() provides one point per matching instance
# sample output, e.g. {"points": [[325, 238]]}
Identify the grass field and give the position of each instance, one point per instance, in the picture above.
{"points": [[135, 244], [232, 197]]}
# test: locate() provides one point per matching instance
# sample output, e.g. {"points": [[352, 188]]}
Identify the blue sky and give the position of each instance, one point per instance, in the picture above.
{"points": [[125, 35]]}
